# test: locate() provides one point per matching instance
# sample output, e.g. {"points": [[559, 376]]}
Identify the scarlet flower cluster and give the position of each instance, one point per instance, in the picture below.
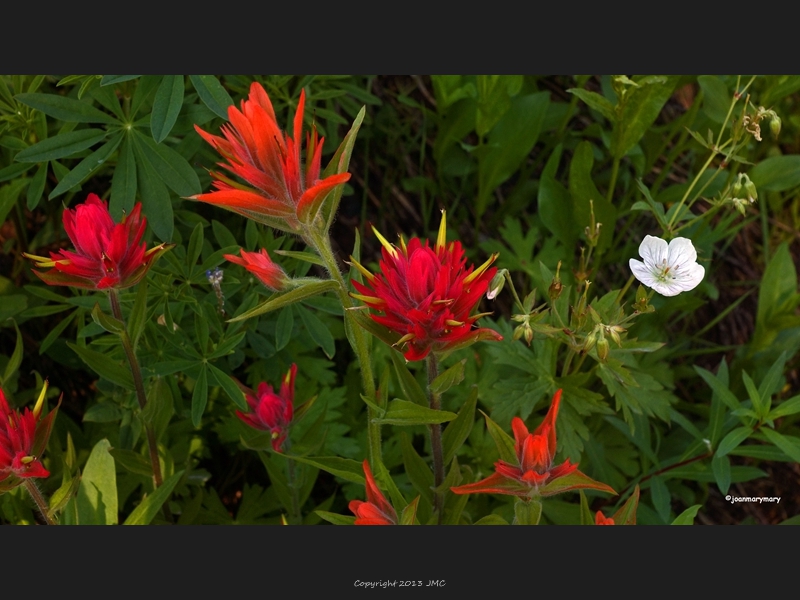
{"points": [[23, 437], [427, 294], [262, 266], [270, 411], [107, 255]]}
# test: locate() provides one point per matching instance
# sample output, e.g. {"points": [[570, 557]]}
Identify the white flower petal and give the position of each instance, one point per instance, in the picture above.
{"points": [[653, 250], [643, 273], [681, 251], [689, 278]]}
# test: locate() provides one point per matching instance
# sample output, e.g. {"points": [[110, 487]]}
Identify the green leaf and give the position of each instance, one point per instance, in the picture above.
{"points": [[403, 412], [732, 440], [105, 366], [458, 430], [640, 110], [336, 519], [504, 442], [452, 376], [340, 164], [279, 300], [721, 467], [408, 384], [229, 386], [173, 169], [716, 97], [123, 183], [132, 461], [417, 470], [166, 106], [284, 328], [138, 317], [160, 406], [584, 194], [156, 203], [719, 388], [66, 109], [777, 294], [317, 330], [149, 507], [552, 197], [13, 171], [16, 358], [597, 102], [96, 500], [509, 143], [195, 247], [213, 95], [36, 187], [776, 173], [792, 449], [527, 512], [758, 405], [687, 516], [346, 468], [60, 146], [114, 79], [769, 385], [785, 408], [86, 167], [199, 396], [107, 322]]}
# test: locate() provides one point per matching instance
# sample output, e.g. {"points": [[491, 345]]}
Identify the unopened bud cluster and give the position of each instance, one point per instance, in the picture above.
{"points": [[743, 192]]}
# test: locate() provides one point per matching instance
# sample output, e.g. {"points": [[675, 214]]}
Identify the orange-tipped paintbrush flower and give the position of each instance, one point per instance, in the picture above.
{"points": [[534, 474], [281, 191]]}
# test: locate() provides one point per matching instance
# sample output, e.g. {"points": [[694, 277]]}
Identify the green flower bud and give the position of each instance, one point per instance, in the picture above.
{"points": [[602, 349], [775, 125]]}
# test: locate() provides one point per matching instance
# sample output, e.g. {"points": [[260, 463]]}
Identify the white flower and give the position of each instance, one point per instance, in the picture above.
{"points": [[668, 269]]}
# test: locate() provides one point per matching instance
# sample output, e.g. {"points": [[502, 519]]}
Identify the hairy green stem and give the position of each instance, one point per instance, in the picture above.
{"points": [[41, 503], [359, 342], [434, 401], [296, 516], [138, 383]]}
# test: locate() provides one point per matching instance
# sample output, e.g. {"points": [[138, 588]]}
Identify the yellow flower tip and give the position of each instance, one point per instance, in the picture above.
{"points": [[283, 520], [368, 299], [445, 302], [479, 271], [454, 323], [403, 245], [353, 262], [441, 239], [275, 435], [479, 315], [26, 460], [37, 409], [384, 242], [406, 338]]}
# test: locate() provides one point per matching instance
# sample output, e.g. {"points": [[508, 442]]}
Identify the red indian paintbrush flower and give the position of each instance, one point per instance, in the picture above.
{"points": [[376, 510], [601, 519], [23, 437], [107, 254], [270, 411], [261, 265], [534, 474], [427, 294], [280, 193]]}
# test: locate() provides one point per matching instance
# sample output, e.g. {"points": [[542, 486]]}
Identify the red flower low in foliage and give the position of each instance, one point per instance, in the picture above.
{"points": [[261, 265], [107, 254], [23, 438], [601, 519], [376, 510], [270, 411], [280, 192], [534, 473], [427, 294]]}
